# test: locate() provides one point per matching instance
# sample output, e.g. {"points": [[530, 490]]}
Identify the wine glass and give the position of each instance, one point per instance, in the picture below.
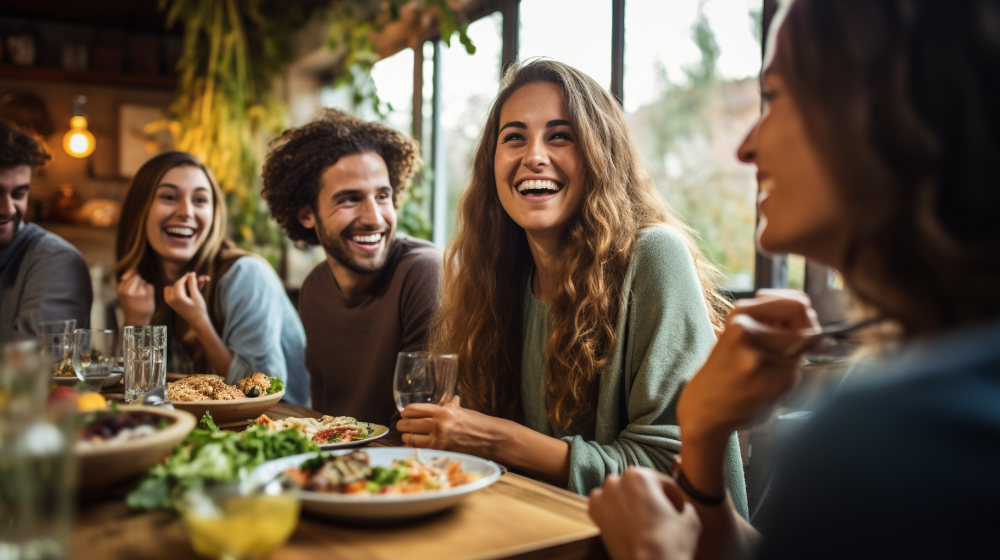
{"points": [[93, 356], [423, 377]]}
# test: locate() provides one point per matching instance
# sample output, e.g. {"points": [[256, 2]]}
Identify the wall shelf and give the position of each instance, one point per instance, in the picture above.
{"points": [[44, 74]]}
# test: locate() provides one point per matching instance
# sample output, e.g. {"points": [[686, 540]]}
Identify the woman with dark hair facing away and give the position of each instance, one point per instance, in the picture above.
{"points": [[876, 153], [578, 306], [225, 309]]}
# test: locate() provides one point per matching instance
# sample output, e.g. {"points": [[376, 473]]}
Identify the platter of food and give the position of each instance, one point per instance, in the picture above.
{"points": [[328, 432], [243, 401], [382, 483], [115, 445]]}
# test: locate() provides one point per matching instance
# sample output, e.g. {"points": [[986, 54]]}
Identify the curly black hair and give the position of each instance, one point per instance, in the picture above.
{"points": [[20, 148], [298, 158]]}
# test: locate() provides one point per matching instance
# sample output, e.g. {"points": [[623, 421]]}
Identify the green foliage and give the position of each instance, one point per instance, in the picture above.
{"points": [[352, 25], [413, 217], [226, 106]]}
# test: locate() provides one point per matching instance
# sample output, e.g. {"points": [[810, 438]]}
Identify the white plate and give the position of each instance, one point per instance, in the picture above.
{"points": [[378, 431], [111, 380], [386, 506]]}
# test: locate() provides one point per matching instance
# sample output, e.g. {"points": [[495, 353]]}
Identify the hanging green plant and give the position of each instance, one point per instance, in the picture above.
{"points": [[354, 25], [226, 106]]}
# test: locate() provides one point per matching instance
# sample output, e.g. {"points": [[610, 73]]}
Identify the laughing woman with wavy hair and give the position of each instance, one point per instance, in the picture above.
{"points": [[577, 304]]}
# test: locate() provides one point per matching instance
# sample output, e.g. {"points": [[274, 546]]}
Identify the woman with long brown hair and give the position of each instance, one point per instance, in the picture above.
{"points": [[577, 304], [877, 153], [172, 247]]}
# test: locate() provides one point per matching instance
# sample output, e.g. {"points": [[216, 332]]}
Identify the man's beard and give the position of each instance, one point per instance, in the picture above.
{"points": [[338, 248]]}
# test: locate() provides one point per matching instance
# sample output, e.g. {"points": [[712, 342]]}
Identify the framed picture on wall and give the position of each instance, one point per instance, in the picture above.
{"points": [[142, 133]]}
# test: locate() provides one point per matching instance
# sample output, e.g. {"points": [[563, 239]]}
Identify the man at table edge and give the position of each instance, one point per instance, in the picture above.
{"points": [[336, 182], [42, 277]]}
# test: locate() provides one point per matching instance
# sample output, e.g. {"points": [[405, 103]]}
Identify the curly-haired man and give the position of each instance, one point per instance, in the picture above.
{"points": [[42, 277], [335, 182]]}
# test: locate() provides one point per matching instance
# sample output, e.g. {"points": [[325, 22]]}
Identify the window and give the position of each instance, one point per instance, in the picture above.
{"points": [[464, 103], [690, 94], [577, 32]]}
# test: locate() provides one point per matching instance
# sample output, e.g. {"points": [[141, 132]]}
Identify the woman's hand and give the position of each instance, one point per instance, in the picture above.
{"points": [[749, 370], [137, 298], [450, 427], [642, 514], [185, 298]]}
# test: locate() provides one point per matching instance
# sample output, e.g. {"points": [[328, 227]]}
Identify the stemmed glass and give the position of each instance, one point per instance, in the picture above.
{"points": [[423, 377], [93, 356]]}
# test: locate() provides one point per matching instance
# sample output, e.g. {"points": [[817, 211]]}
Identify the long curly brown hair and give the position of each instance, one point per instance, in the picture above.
{"points": [[900, 99], [487, 265], [298, 158]]}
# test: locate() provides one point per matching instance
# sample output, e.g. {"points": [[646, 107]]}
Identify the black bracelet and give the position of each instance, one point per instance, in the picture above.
{"points": [[695, 494]]}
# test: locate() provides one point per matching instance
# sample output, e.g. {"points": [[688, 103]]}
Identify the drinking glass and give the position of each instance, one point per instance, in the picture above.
{"points": [[55, 343], [238, 520], [93, 356], [145, 351], [37, 469], [423, 377]]}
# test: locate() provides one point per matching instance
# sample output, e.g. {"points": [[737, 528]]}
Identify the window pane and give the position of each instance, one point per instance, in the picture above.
{"points": [[585, 44], [393, 79], [469, 84], [691, 93]]}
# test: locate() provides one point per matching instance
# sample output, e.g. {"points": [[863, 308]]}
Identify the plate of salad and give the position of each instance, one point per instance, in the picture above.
{"points": [[382, 483]]}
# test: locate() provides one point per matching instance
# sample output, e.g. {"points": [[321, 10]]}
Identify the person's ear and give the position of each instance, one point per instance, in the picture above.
{"points": [[306, 217]]}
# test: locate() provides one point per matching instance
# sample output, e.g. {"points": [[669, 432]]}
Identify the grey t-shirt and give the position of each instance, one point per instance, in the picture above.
{"points": [[42, 278]]}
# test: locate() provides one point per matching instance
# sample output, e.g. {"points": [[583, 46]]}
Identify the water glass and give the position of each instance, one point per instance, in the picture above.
{"points": [[55, 342], [423, 377], [93, 356], [37, 468], [145, 351]]}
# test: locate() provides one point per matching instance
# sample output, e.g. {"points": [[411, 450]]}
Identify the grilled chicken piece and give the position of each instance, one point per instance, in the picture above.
{"points": [[345, 469]]}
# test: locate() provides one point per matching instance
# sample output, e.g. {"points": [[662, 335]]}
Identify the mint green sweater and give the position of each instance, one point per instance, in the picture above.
{"points": [[663, 335]]}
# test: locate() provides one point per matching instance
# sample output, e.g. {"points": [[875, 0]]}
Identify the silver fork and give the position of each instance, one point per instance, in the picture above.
{"points": [[830, 334]]}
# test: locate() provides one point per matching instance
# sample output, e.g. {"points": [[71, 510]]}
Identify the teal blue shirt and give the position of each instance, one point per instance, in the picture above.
{"points": [[663, 335]]}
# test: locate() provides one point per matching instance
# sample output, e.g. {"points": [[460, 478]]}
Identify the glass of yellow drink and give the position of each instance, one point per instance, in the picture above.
{"points": [[239, 521]]}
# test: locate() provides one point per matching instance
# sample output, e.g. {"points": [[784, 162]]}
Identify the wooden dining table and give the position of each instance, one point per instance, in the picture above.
{"points": [[515, 517]]}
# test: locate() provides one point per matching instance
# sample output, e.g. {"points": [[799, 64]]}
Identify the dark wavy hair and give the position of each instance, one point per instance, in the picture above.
{"points": [[17, 147], [298, 158], [901, 100]]}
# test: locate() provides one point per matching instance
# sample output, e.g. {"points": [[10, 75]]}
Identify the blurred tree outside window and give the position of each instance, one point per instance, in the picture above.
{"points": [[691, 93]]}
